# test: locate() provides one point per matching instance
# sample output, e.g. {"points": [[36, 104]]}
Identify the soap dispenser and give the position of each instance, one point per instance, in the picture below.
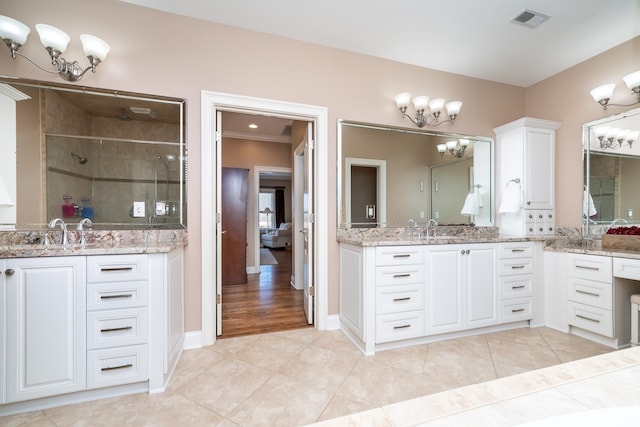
{"points": [[68, 210], [87, 211]]}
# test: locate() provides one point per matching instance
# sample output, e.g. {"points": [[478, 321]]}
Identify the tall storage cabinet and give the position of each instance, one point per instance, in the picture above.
{"points": [[526, 162]]}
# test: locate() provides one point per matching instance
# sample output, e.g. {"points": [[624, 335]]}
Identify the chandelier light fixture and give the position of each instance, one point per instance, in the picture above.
{"points": [[453, 148], [420, 104], [612, 138], [15, 33], [603, 93]]}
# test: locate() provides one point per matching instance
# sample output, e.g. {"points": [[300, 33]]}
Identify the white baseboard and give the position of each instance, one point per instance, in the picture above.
{"points": [[333, 322], [253, 270], [192, 340]]}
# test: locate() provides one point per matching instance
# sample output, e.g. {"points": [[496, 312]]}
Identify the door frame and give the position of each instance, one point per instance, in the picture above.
{"points": [[216, 101], [381, 181]]}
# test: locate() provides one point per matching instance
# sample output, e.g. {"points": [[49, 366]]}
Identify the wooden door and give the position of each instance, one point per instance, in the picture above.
{"points": [[234, 225]]}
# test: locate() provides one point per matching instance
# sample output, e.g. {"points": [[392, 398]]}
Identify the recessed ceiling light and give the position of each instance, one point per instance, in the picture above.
{"points": [[253, 126]]}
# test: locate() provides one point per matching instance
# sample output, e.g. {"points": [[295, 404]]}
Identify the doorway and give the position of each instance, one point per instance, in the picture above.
{"points": [[212, 103]]}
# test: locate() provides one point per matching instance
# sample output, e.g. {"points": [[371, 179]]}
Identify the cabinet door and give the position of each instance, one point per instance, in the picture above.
{"points": [[481, 283], [444, 289], [174, 293], [539, 168], [46, 350]]}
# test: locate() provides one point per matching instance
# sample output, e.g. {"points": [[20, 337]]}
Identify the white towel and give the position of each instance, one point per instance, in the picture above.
{"points": [[472, 204], [511, 199], [587, 204]]}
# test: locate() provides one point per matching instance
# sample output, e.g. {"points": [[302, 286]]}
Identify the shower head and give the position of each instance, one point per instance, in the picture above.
{"points": [[81, 160]]}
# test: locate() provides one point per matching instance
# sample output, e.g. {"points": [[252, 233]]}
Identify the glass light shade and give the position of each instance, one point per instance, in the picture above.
{"points": [[442, 148], [612, 132], [603, 92], [633, 136], [53, 37], [436, 105], [403, 99], [464, 142], [10, 29], [601, 131], [622, 133], [453, 108], [451, 145], [94, 46], [632, 80], [420, 102]]}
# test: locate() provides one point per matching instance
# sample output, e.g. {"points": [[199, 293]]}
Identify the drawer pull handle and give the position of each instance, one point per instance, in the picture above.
{"points": [[587, 318], [116, 269], [593, 294], [517, 267], [398, 276], [584, 267], [517, 310], [517, 287], [402, 255], [402, 327], [517, 250], [123, 328], [111, 368], [116, 296], [402, 299]]}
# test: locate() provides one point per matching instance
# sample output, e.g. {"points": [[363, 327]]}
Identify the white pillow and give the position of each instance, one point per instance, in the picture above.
{"points": [[285, 225]]}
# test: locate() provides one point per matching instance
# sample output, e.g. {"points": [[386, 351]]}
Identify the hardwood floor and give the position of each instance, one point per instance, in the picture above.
{"points": [[267, 303]]}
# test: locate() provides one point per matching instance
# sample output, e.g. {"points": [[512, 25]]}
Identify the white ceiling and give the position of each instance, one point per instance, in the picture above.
{"points": [[469, 37]]}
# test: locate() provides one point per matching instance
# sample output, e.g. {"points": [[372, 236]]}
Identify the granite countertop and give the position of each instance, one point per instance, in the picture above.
{"points": [[28, 244]]}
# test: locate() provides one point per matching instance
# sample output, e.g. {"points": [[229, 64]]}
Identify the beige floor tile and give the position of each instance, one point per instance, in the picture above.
{"points": [[35, 418], [410, 359], [225, 386], [270, 352], [303, 335], [341, 406], [194, 363], [528, 356], [282, 402], [336, 341]]}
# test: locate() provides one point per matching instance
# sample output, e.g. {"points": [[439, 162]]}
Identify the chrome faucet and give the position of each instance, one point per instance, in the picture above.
{"points": [[64, 240], [432, 226], [80, 228], [617, 221]]}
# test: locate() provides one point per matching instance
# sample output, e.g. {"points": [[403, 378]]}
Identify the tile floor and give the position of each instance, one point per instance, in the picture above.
{"points": [[303, 376]]}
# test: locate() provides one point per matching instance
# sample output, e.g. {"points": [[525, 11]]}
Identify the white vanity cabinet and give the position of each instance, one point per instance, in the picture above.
{"points": [[516, 280], [461, 291], [525, 153], [45, 315], [80, 327], [117, 320]]}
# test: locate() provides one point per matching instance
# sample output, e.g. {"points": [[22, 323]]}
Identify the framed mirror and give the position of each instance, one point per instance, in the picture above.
{"points": [[117, 158], [391, 177], [611, 172]]}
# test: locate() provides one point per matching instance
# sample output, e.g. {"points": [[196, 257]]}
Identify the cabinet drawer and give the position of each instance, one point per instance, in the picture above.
{"points": [[508, 267], [395, 255], [103, 296], [590, 267], [115, 366], [515, 250], [394, 299], [596, 294], [516, 286], [116, 268], [516, 309], [399, 275], [626, 268], [400, 326], [114, 328], [592, 319]]}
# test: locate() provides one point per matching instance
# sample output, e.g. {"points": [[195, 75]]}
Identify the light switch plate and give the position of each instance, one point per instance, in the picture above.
{"points": [[138, 209]]}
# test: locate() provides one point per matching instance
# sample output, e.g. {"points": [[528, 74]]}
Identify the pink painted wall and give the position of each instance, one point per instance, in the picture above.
{"points": [[148, 55]]}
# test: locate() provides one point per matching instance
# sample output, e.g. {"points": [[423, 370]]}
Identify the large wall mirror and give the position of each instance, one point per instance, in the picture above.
{"points": [[117, 158], [611, 171], [389, 176]]}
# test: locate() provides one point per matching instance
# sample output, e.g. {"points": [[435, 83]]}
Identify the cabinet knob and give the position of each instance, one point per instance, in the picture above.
{"points": [[528, 203], [9, 272]]}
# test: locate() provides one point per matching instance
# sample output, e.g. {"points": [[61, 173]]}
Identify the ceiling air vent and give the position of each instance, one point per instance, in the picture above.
{"points": [[529, 18]]}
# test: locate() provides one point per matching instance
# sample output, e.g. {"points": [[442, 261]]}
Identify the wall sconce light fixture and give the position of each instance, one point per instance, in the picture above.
{"points": [[612, 138], [603, 93], [420, 103], [15, 33], [453, 148]]}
